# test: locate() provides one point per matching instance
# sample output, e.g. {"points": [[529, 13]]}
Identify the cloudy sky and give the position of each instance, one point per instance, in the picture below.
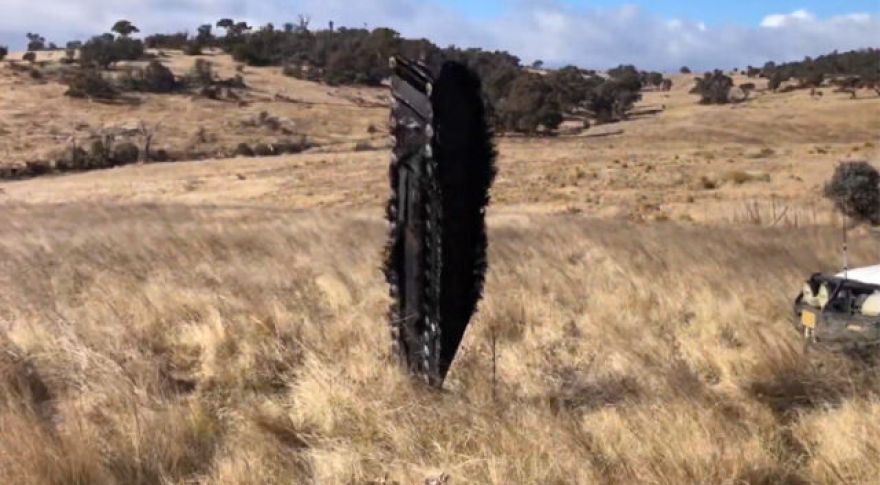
{"points": [[597, 34]]}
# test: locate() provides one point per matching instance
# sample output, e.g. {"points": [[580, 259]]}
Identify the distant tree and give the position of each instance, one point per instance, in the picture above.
{"points": [[289, 27], [70, 50], [776, 80], [627, 76], [205, 37], [855, 190], [4, 51], [698, 86], [167, 41], [655, 79], [225, 23], [685, 70], [105, 50], [124, 28], [529, 105], [667, 85], [241, 28], [537, 64], [612, 100], [714, 88], [571, 86], [36, 42], [812, 79]]}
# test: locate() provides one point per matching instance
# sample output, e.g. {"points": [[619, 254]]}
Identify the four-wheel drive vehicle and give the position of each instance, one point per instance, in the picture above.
{"points": [[840, 311]]}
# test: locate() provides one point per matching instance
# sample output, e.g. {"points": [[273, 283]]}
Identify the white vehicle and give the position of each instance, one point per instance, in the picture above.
{"points": [[841, 310]]}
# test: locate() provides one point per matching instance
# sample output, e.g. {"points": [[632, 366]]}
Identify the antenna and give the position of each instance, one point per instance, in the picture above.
{"points": [[845, 262]]}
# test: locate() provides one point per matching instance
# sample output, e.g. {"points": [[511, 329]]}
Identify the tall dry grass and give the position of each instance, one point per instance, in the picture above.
{"points": [[150, 344]]}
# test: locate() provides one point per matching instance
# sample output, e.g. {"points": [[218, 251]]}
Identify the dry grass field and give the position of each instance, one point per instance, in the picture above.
{"points": [[223, 321]]}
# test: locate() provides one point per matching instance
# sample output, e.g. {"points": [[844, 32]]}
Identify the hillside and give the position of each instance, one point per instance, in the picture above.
{"points": [[223, 320], [688, 162]]}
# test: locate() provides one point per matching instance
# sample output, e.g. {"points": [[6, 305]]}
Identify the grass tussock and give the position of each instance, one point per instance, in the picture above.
{"points": [[172, 345]]}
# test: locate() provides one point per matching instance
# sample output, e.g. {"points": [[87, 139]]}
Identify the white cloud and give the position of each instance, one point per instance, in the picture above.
{"points": [[550, 30], [782, 20]]}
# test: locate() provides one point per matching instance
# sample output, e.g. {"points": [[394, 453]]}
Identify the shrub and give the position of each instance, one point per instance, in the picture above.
{"points": [[160, 155], [125, 153], [685, 70], [158, 78], [261, 48], [98, 157], [813, 80], [73, 159], [29, 56], [244, 150], [714, 88], [36, 168], [192, 49], [4, 51], [738, 177], [89, 83], [290, 146], [202, 73], [210, 92], [236, 82], [707, 183], [855, 190], [105, 50], [167, 41], [776, 79], [653, 78], [263, 150]]}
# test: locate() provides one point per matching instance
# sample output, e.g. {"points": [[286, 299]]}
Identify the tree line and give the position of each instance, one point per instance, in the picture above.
{"points": [[853, 69], [519, 99]]}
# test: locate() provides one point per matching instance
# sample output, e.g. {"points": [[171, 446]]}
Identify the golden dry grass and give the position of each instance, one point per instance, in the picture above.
{"points": [[146, 344], [224, 321]]}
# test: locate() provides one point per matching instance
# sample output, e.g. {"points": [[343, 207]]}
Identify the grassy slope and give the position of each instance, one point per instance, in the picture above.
{"points": [[246, 346], [194, 322]]}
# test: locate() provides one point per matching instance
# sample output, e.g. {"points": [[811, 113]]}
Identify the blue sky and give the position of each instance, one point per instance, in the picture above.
{"points": [[596, 34], [743, 12]]}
